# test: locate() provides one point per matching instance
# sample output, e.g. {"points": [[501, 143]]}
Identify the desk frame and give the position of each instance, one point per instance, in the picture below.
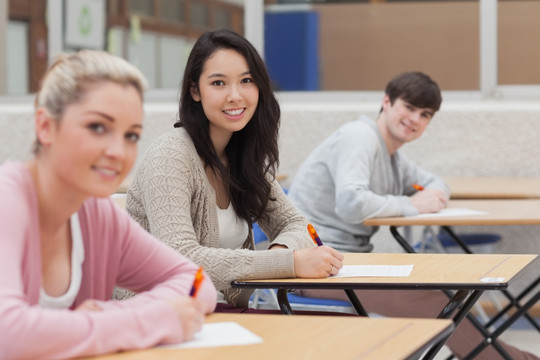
{"points": [[490, 337], [459, 304]]}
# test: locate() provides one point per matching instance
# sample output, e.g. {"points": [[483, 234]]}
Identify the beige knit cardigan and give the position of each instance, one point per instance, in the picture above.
{"points": [[170, 196]]}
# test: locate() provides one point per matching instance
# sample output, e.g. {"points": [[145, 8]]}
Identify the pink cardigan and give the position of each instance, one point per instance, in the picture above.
{"points": [[118, 252]]}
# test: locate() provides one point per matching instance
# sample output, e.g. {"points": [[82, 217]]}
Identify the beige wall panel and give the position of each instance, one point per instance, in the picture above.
{"points": [[363, 45], [519, 49]]}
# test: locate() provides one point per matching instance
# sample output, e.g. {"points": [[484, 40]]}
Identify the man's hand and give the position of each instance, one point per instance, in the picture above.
{"points": [[429, 201]]}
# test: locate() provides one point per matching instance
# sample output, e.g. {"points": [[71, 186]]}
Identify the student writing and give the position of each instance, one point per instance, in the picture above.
{"points": [[65, 245], [201, 185]]}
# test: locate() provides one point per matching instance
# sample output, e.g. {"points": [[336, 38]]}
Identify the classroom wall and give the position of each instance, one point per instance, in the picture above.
{"points": [[485, 138]]}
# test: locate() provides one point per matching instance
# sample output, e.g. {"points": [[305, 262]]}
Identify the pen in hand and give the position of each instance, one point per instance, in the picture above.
{"points": [[199, 277], [314, 235], [418, 187]]}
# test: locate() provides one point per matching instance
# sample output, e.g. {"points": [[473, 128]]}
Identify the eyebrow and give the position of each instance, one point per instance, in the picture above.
{"points": [[110, 118], [223, 75]]}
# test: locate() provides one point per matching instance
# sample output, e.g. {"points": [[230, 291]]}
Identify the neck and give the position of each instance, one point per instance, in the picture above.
{"points": [[56, 201], [392, 145], [220, 140]]}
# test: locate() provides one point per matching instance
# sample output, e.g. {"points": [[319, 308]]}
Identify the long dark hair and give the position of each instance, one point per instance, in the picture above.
{"points": [[253, 151]]}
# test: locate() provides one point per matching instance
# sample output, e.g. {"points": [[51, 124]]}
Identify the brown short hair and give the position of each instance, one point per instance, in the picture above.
{"points": [[416, 88]]}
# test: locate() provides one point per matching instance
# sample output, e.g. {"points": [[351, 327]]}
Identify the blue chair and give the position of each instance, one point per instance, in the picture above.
{"points": [[267, 299], [258, 235]]}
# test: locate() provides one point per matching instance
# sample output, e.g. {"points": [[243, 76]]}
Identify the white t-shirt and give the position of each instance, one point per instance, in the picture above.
{"points": [[77, 257], [233, 231]]}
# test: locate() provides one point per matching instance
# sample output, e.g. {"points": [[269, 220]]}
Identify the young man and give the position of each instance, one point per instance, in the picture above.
{"points": [[358, 173]]}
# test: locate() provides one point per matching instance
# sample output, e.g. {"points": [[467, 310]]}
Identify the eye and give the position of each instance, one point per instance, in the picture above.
{"points": [[409, 107], [218, 83], [133, 137], [97, 128], [247, 80], [427, 115]]}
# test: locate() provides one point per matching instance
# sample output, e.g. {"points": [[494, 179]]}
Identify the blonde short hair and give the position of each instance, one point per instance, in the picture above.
{"points": [[68, 78]]}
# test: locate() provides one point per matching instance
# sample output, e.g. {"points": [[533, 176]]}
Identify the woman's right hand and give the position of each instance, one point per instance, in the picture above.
{"points": [[317, 262], [190, 313]]}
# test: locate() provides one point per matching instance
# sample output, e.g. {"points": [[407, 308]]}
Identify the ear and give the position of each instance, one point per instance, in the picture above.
{"points": [[386, 102], [195, 92], [45, 126]]}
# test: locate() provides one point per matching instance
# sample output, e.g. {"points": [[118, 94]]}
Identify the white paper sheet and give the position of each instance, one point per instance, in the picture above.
{"points": [[375, 270], [453, 212], [219, 334]]}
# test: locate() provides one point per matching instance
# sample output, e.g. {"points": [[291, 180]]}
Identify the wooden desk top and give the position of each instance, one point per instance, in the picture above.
{"points": [[499, 212], [313, 337], [494, 187], [431, 271]]}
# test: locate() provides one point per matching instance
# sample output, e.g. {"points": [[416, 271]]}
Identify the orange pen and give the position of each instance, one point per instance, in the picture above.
{"points": [[314, 235], [418, 187], [199, 277]]}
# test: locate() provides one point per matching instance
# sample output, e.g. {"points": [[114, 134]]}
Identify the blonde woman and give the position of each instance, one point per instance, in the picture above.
{"points": [[65, 245]]}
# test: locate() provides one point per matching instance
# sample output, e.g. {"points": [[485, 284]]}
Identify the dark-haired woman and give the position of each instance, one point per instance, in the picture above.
{"points": [[201, 185]]}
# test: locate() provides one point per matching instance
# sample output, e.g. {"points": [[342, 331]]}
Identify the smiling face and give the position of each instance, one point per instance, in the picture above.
{"points": [[402, 122], [227, 93], [94, 145]]}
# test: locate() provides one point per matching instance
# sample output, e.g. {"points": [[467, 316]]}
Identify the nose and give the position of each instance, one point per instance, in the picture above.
{"points": [[415, 116], [234, 94], [116, 147]]}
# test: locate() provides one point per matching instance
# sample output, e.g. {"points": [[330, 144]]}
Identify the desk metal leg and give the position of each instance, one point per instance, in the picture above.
{"points": [[482, 329], [455, 302], [457, 240], [401, 240], [355, 302], [495, 334], [514, 301], [283, 301], [465, 299]]}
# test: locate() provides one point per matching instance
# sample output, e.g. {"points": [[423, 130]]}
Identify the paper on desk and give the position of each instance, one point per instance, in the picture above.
{"points": [[219, 334], [453, 212], [375, 270]]}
